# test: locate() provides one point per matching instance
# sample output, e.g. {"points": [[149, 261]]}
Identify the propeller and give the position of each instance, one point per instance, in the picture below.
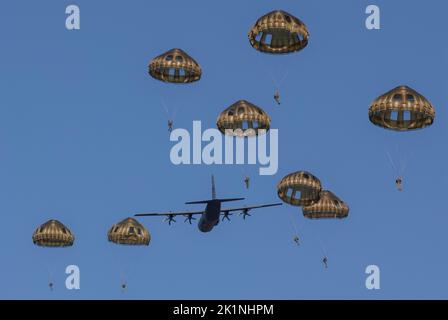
{"points": [[189, 218], [226, 216], [170, 219], [245, 213]]}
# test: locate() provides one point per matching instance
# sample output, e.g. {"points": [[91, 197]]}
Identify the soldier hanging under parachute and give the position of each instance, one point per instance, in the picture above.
{"points": [[278, 33], [176, 67], [398, 183], [325, 262], [277, 97], [247, 181], [401, 109], [53, 234]]}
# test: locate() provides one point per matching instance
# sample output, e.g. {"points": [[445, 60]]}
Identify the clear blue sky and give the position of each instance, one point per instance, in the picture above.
{"points": [[83, 139]]}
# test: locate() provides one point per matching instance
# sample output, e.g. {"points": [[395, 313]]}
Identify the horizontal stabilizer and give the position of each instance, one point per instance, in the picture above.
{"points": [[213, 200], [230, 199]]}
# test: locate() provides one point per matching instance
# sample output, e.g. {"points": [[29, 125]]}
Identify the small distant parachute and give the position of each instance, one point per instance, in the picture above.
{"points": [[303, 189], [50, 235], [401, 109], [244, 118], [328, 206], [300, 188], [278, 32], [129, 232], [53, 234], [175, 66]]}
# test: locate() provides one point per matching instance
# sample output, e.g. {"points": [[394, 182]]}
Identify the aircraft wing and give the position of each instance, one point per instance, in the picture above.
{"points": [[168, 214], [171, 215], [247, 208]]}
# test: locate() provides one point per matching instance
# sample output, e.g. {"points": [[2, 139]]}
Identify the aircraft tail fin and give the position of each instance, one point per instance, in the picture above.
{"points": [[214, 196], [213, 188]]}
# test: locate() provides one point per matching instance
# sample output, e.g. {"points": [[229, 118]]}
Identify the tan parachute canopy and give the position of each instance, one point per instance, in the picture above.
{"points": [[175, 66], [243, 115], [129, 232], [53, 234], [299, 188], [278, 32], [401, 109], [328, 206]]}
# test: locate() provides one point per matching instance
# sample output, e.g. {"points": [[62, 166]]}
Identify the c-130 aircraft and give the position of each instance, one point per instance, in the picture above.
{"points": [[210, 217]]}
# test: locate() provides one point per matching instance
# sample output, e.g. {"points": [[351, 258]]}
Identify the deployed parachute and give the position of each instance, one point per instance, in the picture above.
{"points": [[401, 109], [278, 32], [53, 234], [129, 232], [243, 115], [175, 66], [300, 188], [328, 206], [303, 189]]}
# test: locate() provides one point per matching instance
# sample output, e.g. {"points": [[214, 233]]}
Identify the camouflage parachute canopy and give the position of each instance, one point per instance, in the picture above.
{"points": [[299, 188], [175, 66], [243, 115], [278, 32], [53, 234], [129, 232], [401, 109], [328, 206]]}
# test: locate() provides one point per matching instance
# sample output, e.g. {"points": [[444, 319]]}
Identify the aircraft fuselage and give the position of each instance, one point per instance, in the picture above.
{"points": [[210, 218]]}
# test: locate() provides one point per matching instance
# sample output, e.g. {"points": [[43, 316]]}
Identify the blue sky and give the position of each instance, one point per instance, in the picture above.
{"points": [[83, 139]]}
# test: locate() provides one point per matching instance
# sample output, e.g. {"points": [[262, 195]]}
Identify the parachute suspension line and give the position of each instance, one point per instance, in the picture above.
{"points": [[402, 166], [392, 162], [294, 225], [165, 107], [49, 268], [404, 163], [402, 160], [274, 80], [123, 282], [122, 271], [296, 230], [50, 280], [271, 75], [168, 115], [321, 243], [399, 167], [277, 83], [174, 112], [285, 75]]}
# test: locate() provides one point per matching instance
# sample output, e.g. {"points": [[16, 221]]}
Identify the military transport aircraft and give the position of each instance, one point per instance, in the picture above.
{"points": [[210, 216]]}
